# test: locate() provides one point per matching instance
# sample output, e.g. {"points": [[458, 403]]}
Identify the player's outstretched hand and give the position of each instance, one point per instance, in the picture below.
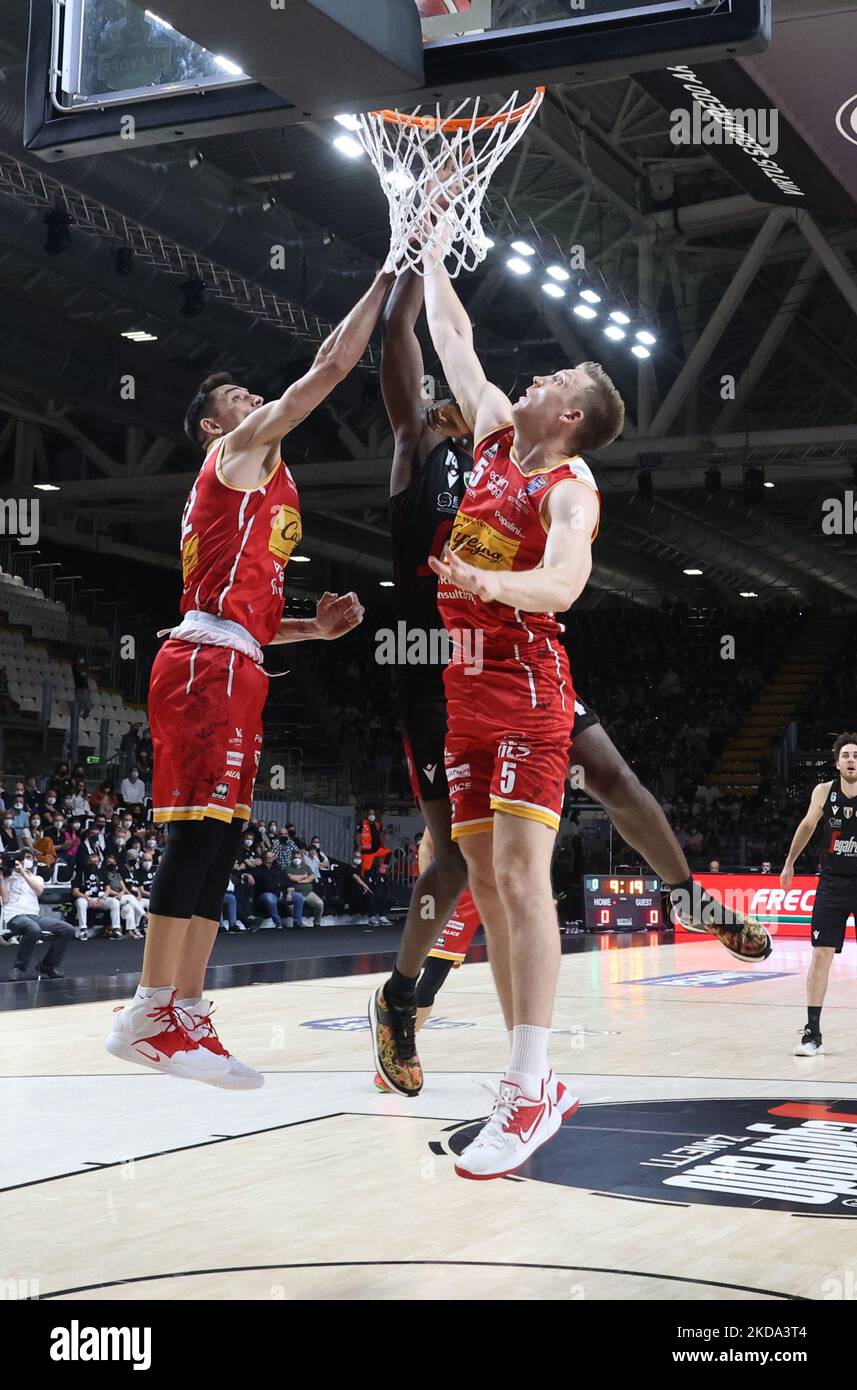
{"points": [[335, 615], [447, 418], [485, 584]]}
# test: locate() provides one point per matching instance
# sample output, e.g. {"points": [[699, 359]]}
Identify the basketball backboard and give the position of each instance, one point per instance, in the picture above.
{"points": [[186, 71]]}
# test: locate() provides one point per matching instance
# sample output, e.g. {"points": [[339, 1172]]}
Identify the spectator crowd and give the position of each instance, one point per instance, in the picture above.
{"points": [[101, 849]]}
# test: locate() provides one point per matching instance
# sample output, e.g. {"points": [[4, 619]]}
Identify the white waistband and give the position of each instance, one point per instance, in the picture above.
{"points": [[206, 630]]}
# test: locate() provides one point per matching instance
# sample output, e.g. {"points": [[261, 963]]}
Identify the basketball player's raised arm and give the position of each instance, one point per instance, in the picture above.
{"points": [[402, 374], [338, 355], [483, 405], [804, 832], [554, 586]]}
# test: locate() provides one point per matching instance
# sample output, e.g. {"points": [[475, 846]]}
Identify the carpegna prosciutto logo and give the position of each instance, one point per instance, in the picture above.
{"points": [[770, 1154]]}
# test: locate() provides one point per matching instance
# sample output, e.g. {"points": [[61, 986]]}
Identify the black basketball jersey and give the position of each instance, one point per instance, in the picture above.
{"points": [[421, 518], [839, 844]]}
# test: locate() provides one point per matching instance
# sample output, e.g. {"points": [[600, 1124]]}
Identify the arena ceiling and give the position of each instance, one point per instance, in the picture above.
{"points": [[734, 286]]}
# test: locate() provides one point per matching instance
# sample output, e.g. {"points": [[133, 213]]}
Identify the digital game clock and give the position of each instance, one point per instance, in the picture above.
{"points": [[614, 903]]}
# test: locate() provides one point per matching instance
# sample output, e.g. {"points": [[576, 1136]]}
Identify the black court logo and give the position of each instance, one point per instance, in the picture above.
{"points": [[774, 1155]]}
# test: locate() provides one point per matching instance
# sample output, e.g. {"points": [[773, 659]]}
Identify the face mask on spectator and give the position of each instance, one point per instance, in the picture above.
{"points": [[371, 815], [151, 844], [50, 801], [357, 861], [111, 864], [29, 864], [248, 843]]}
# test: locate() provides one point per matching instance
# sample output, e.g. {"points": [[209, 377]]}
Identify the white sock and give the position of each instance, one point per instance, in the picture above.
{"points": [[528, 1064], [188, 1003], [144, 994]]}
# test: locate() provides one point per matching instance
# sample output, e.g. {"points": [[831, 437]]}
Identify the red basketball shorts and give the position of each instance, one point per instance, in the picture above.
{"points": [[508, 739], [205, 714], [455, 940]]}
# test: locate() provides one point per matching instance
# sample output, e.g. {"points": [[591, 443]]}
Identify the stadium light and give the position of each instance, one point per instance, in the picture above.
{"points": [[692, 571], [558, 272], [644, 336], [348, 121], [640, 351], [590, 296], [614, 332], [347, 146], [386, 583], [518, 265], [619, 316], [299, 559], [583, 311], [552, 290], [523, 248], [747, 593]]}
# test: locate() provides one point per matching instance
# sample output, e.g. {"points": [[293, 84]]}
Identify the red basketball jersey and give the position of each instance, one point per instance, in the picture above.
{"points": [[500, 526], [235, 546]]}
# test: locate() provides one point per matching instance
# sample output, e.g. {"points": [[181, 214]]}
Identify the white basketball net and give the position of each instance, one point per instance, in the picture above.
{"points": [[435, 171]]}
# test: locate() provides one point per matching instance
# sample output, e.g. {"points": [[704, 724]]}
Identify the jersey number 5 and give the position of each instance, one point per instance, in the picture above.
{"points": [[508, 773]]}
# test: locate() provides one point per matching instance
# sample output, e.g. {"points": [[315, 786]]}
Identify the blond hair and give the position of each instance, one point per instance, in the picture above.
{"points": [[603, 410]]}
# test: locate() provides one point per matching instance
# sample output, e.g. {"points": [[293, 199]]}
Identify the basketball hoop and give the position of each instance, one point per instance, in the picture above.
{"points": [[435, 171]]}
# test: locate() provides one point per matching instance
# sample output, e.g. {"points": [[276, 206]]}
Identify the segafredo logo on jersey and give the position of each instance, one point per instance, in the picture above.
{"points": [[760, 1153], [844, 847]]}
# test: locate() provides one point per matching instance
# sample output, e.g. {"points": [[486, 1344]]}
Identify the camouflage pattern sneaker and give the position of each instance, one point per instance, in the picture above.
{"points": [[744, 937], [393, 1029]]}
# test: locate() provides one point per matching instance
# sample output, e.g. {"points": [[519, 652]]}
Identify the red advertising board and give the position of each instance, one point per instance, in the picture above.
{"points": [[760, 895]]}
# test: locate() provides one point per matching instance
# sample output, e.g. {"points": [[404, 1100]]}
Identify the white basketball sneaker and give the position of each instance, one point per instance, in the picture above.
{"points": [[519, 1125], [238, 1077], [154, 1034], [561, 1097]]}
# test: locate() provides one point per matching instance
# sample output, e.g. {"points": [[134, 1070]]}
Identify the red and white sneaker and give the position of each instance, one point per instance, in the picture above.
{"points": [[519, 1125], [238, 1077], [561, 1097], [153, 1033]]}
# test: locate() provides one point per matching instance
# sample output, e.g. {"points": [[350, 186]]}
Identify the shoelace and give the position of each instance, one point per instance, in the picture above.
{"points": [[169, 1014], [403, 1024], [203, 1022], [493, 1133]]}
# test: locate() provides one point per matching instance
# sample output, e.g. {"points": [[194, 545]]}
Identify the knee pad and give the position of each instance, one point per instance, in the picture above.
{"points": [[434, 973]]}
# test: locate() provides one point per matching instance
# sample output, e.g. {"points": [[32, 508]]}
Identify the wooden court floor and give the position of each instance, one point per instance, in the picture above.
{"points": [[706, 1162]]}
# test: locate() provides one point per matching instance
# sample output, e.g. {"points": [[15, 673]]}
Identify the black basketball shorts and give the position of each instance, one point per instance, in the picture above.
{"points": [[835, 900]]}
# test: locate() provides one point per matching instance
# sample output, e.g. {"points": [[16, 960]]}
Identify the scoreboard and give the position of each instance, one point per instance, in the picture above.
{"points": [[622, 904]]}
